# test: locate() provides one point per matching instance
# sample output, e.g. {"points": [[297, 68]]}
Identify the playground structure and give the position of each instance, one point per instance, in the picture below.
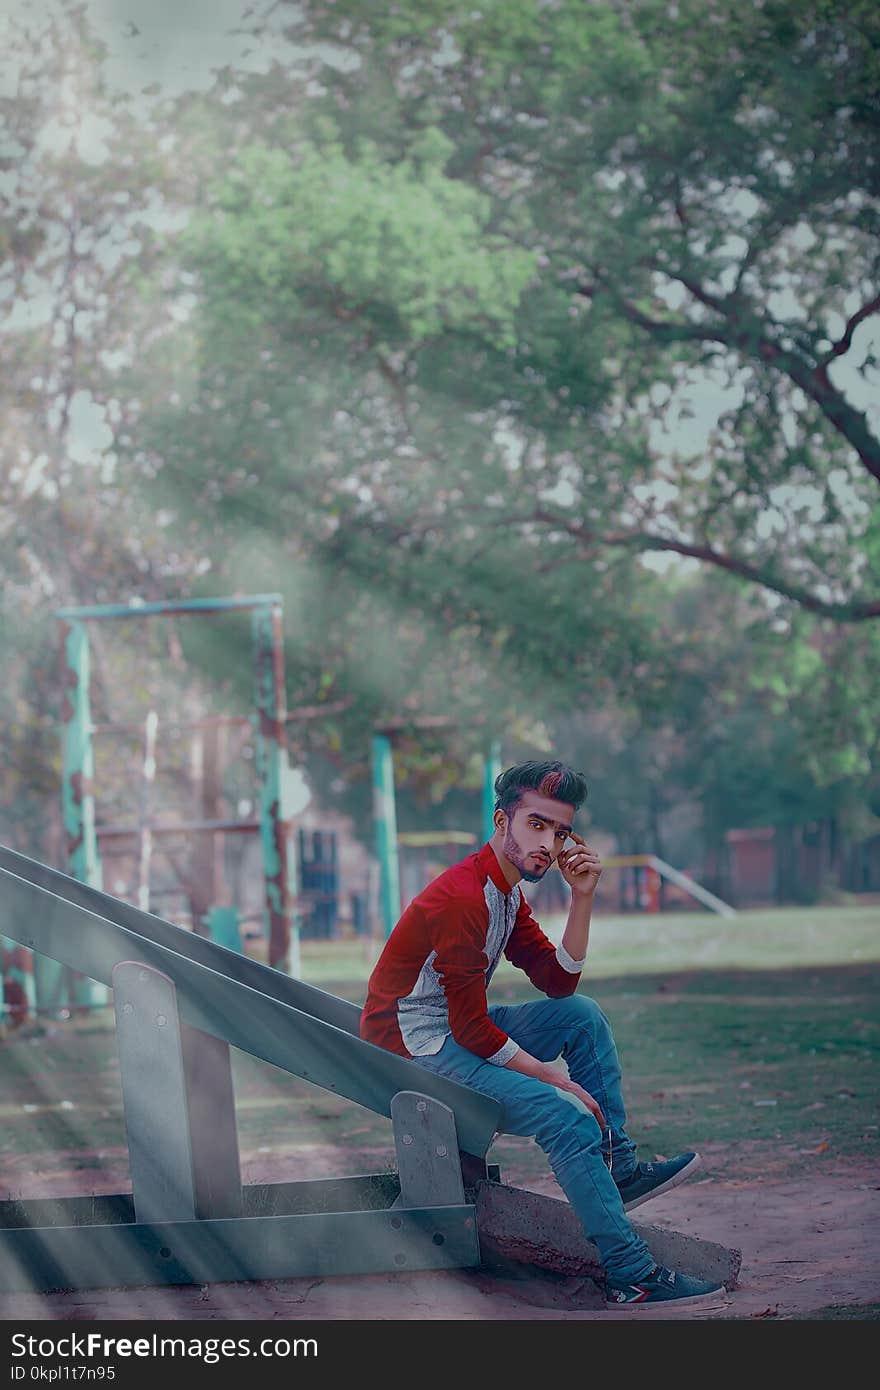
{"points": [[37, 984], [31, 984], [181, 1001], [648, 870], [388, 840]]}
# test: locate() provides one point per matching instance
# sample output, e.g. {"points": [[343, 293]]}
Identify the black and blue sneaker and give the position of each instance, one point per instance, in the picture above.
{"points": [[662, 1285], [650, 1179]]}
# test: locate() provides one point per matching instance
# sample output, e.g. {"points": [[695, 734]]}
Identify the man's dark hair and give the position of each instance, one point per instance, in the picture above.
{"points": [[554, 779]]}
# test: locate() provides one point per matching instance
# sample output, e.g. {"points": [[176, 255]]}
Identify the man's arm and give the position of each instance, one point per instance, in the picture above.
{"points": [[556, 970], [551, 1075], [581, 868]]}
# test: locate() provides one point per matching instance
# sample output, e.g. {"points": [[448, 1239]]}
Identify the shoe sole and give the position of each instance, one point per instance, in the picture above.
{"points": [[718, 1297], [683, 1173]]}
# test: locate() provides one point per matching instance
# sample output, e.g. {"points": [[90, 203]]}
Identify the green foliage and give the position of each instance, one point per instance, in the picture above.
{"points": [[700, 191], [357, 232]]}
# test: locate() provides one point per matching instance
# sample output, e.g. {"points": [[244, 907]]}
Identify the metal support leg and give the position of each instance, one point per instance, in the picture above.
{"points": [[179, 1110], [428, 1161], [213, 1133]]}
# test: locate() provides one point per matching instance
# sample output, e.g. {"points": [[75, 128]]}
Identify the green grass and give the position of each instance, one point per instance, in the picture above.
{"points": [[756, 1039], [646, 944], [784, 1059], [782, 938]]}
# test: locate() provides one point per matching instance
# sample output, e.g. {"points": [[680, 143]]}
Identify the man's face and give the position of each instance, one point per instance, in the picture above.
{"points": [[535, 833]]}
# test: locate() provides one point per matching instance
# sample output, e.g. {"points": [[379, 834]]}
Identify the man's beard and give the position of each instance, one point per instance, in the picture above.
{"points": [[513, 852]]}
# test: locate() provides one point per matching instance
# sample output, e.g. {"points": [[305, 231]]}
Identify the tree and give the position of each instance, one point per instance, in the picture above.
{"points": [[563, 225]]}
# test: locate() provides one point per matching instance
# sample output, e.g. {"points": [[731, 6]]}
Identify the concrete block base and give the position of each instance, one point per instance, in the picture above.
{"points": [[517, 1225]]}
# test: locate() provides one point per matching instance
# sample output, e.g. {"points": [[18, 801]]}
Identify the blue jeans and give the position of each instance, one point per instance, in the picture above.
{"points": [[577, 1029]]}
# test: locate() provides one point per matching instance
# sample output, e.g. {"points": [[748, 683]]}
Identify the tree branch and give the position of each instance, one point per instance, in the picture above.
{"points": [[815, 382], [668, 330], [591, 540], [743, 328], [844, 343], [711, 301], [842, 612]]}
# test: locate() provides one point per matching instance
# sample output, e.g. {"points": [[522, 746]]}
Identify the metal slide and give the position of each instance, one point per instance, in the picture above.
{"points": [[251, 1006]]}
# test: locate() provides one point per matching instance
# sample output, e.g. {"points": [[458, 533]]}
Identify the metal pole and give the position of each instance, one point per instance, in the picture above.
{"points": [[385, 819], [207, 852], [145, 836], [279, 864], [54, 988], [148, 610], [491, 770]]}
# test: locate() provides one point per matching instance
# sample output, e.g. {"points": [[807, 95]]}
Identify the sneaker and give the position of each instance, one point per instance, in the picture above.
{"points": [[662, 1285], [650, 1179]]}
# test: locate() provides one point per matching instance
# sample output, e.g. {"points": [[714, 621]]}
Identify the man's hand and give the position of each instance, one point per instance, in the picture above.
{"points": [[528, 1065], [580, 866], [565, 1083]]}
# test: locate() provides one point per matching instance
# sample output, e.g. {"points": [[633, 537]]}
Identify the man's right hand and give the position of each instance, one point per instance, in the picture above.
{"points": [[563, 1082], [524, 1062]]}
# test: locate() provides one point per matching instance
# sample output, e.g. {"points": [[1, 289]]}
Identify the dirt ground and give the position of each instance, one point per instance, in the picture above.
{"points": [[807, 1245]]}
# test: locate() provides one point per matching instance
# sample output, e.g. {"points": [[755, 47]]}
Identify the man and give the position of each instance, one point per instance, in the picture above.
{"points": [[426, 999]]}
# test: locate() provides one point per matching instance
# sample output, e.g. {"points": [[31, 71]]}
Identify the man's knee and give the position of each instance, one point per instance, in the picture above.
{"points": [[579, 1010]]}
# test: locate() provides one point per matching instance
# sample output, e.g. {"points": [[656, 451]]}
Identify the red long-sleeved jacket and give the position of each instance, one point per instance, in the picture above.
{"points": [[432, 975]]}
